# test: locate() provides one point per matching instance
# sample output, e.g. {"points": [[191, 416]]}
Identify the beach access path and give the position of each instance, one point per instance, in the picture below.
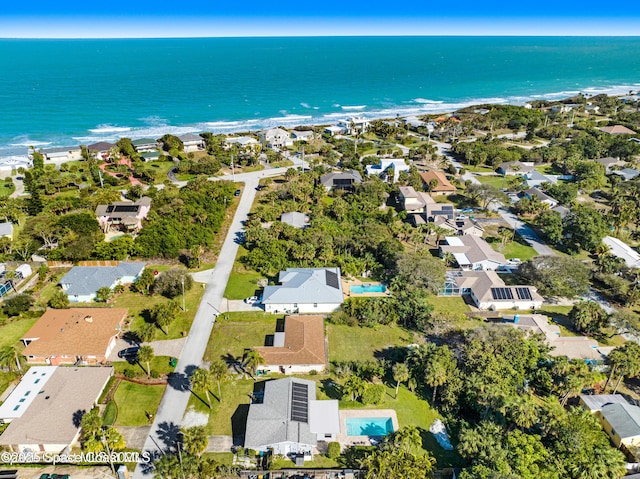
{"points": [[165, 430]]}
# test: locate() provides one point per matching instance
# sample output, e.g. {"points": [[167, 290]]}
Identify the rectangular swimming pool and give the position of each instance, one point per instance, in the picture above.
{"points": [[369, 426], [367, 288]]}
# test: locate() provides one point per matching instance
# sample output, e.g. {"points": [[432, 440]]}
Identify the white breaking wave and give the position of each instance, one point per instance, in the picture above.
{"points": [[109, 129], [353, 107], [425, 101]]}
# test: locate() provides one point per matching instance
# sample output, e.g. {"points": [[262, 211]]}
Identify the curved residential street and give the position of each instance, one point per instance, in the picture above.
{"points": [[164, 431]]}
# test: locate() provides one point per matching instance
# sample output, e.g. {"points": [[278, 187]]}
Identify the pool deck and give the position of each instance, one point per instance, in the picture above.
{"points": [[346, 284], [347, 441]]}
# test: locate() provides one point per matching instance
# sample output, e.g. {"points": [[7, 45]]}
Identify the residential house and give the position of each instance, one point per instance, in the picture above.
{"points": [[564, 107], [563, 211], [627, 173], [61, 154], [541, 196], [123, 215], [594, 402], [487, 291], [289, 420], [242, 141], [459, 227], [621, 421], [515, 168], [6, 230], [276, 138], [100, 150], [572, 347], [413, 122], [422, 207], [473, 253], [333, 130], [388, 167], [72, 335], [617, 130], [443, 185], [145, 145], [192, 142], [302, 135], [82, 283], [25, 392], [341, 180], [621, 250], [51, 421], [10, 164], [535, 179], [295, 219], [305, 290], [610, 162], [150, 156], [298, 347], [354, 125], [591, 109]]}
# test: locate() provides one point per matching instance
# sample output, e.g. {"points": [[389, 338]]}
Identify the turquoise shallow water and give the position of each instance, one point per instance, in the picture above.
{"points": [[79, 91]]}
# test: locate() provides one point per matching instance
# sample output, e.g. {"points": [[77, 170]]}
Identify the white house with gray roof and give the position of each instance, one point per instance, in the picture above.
{"points": [[82, 283], [305, 290], [290, 420], [192, 142], [621, 421], [473, 253], [61, 154]]}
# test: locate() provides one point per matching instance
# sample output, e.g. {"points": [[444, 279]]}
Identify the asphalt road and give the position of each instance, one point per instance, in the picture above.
{"points": [[165, 428]]}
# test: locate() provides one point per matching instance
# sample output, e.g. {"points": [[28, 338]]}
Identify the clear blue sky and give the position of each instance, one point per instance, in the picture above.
{"points": [[164, 18]]}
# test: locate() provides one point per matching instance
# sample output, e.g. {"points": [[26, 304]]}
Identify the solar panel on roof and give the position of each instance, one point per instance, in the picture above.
{"points": [[332, 279], [523, 293], [299, 402], [501, 293], [126, 208]]}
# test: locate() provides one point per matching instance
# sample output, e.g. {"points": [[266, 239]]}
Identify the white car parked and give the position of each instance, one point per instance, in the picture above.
{"points": [[251, 300]]}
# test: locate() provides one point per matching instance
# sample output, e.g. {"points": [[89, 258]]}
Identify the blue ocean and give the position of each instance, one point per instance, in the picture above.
{"points": [[66, 92]]}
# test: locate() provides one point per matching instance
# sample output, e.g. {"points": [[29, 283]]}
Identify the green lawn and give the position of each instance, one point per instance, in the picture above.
{"points": [[235, 401], [134, 401], [243, 281], [498, 181], [158, 363], [478, 169], [235, 332], [6, 189], [348, 343], [513, 249], [319, 462], [15, 329], [138, 304]]}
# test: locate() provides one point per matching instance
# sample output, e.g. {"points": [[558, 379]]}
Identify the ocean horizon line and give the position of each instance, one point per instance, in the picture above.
{"points": [[316, 35]]}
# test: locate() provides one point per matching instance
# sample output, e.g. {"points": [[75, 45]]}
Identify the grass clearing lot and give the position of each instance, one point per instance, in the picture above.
{"points": [[135, 401], [6, 189], [138, 304], [242, 330], [158, 363], [498, 181], [348, 343], [513, 249], [15, 329], [243, 281]]}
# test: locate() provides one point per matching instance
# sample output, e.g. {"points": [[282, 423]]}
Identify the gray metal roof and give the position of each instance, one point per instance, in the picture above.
{"points": [[86, 280], [190, 137], [305, 285], [270, 422], [295, 219], [330, 178], [595, 401], [623, 418], [6, 229]]}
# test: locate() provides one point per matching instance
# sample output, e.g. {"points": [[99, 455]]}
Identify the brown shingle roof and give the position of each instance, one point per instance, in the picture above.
{"points": [[443, 182], [617, 130], [303, 343], [74, 332]]}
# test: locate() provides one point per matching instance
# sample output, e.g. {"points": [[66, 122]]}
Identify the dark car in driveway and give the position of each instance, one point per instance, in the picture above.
{"points": [[129, 353]]}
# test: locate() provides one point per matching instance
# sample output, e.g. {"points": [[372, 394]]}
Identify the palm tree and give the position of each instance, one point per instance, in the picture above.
{"points": [[194, 439], [218, 371], [202, 380], [252, 359], [9, 358], [400, 375], [145, 355]]}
